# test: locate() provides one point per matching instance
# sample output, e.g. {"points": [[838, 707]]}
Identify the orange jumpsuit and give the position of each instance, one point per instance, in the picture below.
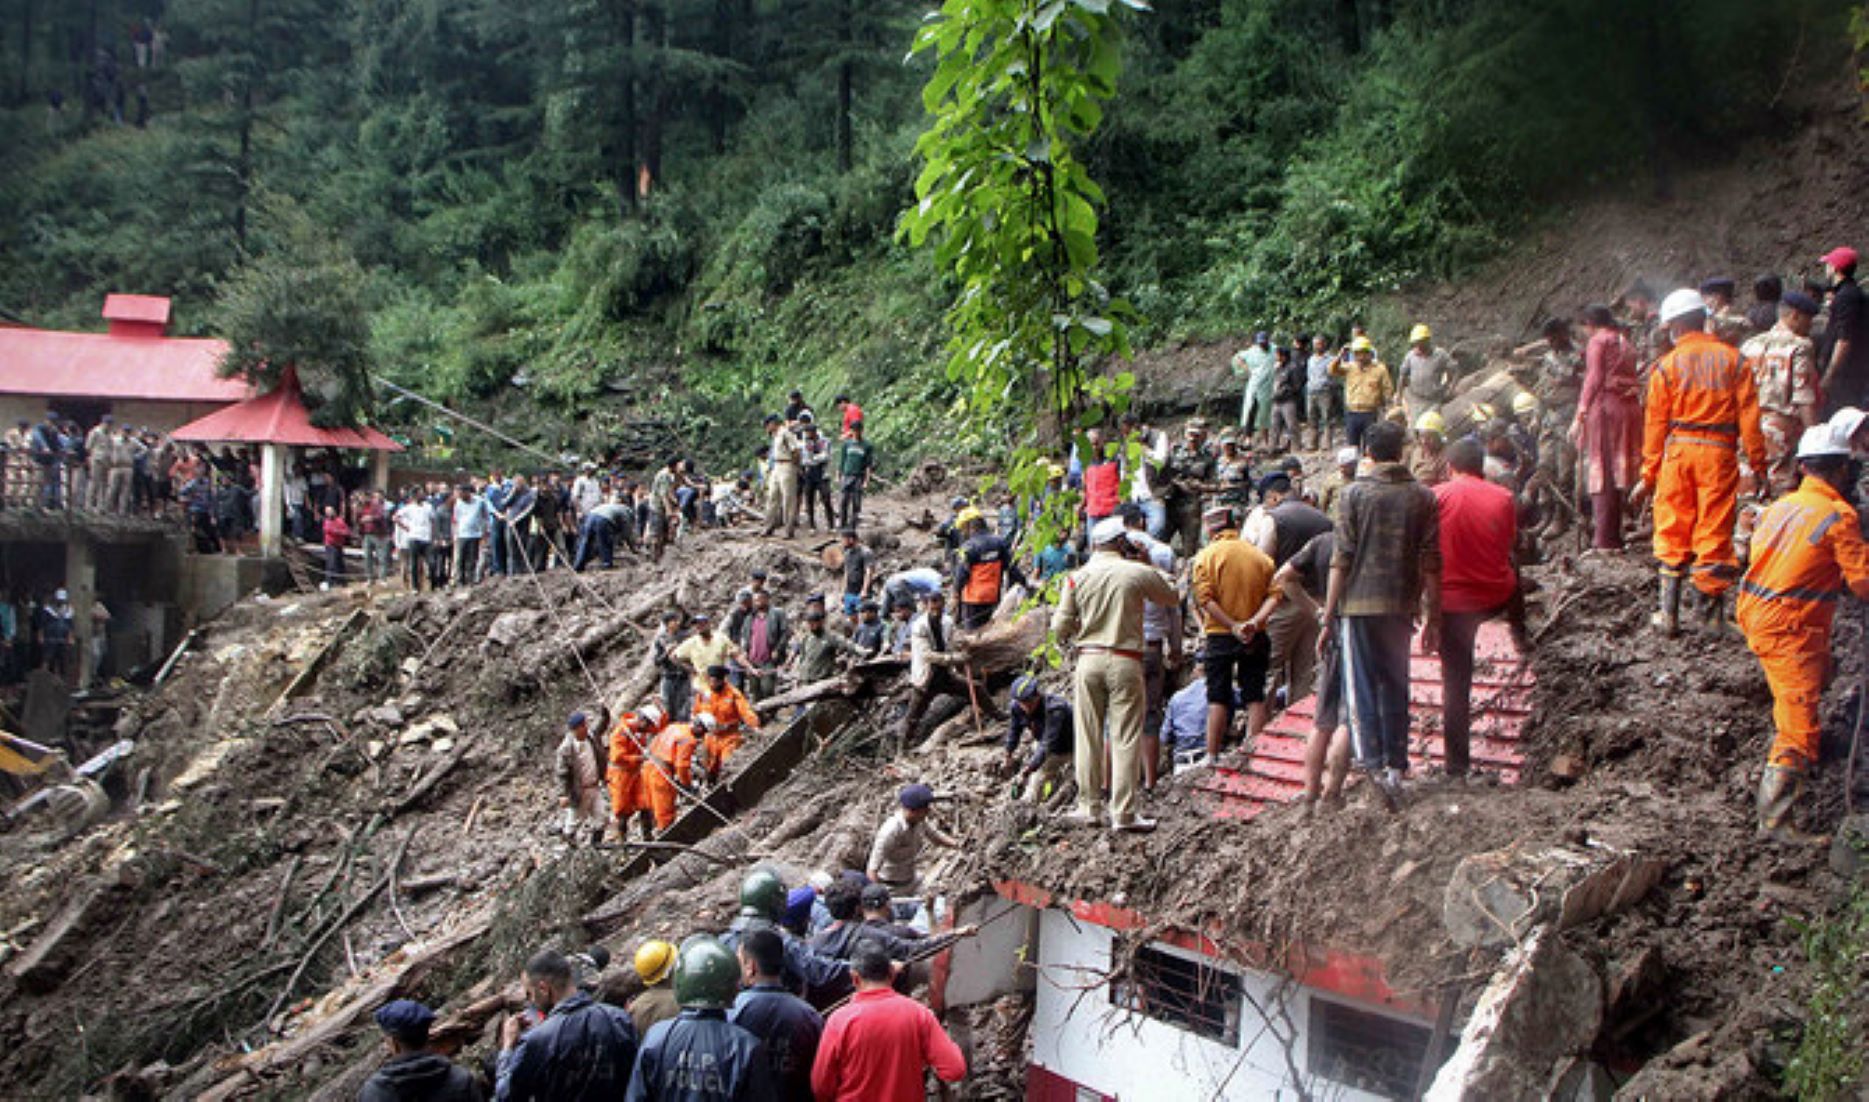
{"points": [[1702, 407], [1806, 547], [671, 761], [732, 714], [627, 741]]}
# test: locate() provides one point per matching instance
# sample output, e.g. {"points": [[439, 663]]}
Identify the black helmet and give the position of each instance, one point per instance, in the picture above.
{"points": [[762, 895], [707, 977]]}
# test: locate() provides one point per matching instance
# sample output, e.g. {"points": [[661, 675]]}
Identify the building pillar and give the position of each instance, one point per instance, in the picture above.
{"points": [[272, 499], [81, 587], [379, 472]]}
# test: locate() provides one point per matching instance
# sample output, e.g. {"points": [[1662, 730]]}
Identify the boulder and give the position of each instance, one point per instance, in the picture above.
{"points": [[1493, 899], [1531, 1024]]}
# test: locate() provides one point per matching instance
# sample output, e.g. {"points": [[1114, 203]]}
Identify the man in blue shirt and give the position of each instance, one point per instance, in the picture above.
{"points": [[785, 1023], [471, 518], [495, 499]]}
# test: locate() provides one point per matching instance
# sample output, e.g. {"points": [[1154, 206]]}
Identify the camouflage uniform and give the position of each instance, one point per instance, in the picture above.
{"points": [[1731, 326], [1187, 463], [1560, 382], [1784, 365]]}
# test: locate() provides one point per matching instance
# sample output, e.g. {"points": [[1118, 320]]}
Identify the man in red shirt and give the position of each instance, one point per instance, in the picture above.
{"points": [[1479, 526], [853, 413], [876, 1048]]}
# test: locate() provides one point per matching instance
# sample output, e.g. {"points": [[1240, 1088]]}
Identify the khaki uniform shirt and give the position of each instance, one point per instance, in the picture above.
{"points": [[1784, 365], [1103, 602], [1367, 389]]}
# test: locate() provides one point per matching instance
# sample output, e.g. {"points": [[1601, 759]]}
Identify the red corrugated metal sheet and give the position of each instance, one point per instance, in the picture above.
{"points": [[151, 309], [54, 364], [1502, 691], [278, 417]]}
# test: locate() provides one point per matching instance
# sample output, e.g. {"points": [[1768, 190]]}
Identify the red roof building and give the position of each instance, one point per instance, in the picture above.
{"points": [[279, 417], [134, 371]]}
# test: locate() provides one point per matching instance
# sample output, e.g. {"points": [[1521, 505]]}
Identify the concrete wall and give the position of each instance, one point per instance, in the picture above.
{"points": [[210, 583], [1081, 1036], [991, 965]]}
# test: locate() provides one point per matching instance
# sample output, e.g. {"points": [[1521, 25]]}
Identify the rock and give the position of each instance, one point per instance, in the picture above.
{"points": [[1540, 1013], [1849, 850], [410, 665], [418, 733], [374, 748], [263, 804], [1582, 1080], [1567, 767], [411, 703], [386, 714], [1493, 899], [509, 628], [445, 724], [441, 745], [1403, 871]]}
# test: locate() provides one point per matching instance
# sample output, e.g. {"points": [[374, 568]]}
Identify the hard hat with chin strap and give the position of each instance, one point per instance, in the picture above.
{"points": [[1420, 333], [1524, 402], [1681, 303], [654, 961], [1431, 421]]}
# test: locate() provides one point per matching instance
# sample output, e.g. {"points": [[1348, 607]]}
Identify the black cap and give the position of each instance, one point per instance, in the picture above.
{"points": [[773, 419], [406, 1020], [1276, 482], [717, 671], [1801, 302], [1718, 285], [874, 897]]}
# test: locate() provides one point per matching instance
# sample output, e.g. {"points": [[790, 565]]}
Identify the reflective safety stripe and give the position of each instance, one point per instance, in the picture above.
{"points": [[1706, 426], [1711, 443], [1817, 533], [1764, 594]]}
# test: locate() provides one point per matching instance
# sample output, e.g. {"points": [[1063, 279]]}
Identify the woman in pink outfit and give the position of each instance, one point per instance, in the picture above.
{"points": [[1608, 428]]}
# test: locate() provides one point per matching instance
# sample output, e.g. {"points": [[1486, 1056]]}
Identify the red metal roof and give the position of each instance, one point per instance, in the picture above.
{"points": [[53, 364], [1502, 692], [153, 309], [279, 417]]}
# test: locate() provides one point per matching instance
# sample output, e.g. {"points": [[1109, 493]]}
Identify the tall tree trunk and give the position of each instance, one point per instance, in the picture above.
{"points": [[846, 77], [89, 63], [623, 160], [655, 31], [243, 166], [717, 99], [25, 49]]}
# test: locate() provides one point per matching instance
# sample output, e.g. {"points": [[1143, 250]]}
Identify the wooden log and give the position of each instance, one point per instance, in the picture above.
{"points": [[427, 784], [309, 674], [843, 685], [45, 961], [241, 1071]]}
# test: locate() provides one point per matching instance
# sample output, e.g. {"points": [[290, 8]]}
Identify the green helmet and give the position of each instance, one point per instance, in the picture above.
{"points": [[707, 977], [762, 895]]}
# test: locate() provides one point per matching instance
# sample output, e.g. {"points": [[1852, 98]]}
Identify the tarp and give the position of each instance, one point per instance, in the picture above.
{"points": [[278, 417]]}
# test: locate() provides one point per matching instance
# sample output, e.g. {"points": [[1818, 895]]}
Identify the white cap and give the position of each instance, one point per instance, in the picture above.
{"points": [[1846, 422], [1681, 303], [1819, 442], [61, 595], [1347, 456], [1108, 530]]}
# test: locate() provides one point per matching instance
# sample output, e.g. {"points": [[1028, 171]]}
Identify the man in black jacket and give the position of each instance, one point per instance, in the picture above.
{"points": [[414, 1074], [581, 1052], [700, 1056]]}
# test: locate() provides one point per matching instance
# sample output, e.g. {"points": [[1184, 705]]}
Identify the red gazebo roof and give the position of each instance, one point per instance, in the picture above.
{"points": [[279, 417]]}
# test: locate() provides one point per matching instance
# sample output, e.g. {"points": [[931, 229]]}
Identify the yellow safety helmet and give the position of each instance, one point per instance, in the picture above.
{"points": [[1524, 402], [1420, 333], [1055, 470], [1431, 421], [968, 516], [1362, 344], [654, 961], [1481, 413]]}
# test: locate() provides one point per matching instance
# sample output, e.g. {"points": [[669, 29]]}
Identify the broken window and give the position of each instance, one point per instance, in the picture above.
{"points": [[1186, 992], [1371, 1052]]}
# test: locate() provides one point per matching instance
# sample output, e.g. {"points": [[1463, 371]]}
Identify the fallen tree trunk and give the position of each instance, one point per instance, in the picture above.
{"points": [[244, 1070], [843, 685]]}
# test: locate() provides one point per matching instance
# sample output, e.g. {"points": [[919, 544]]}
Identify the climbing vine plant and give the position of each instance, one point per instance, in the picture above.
{"points": [[1011, 212]]}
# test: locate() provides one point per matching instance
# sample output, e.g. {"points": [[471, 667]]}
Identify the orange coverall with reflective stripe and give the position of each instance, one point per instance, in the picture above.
{"points": [[627, 740], [1702, 407], [1806, 546], [671, 756], [731, 714]]}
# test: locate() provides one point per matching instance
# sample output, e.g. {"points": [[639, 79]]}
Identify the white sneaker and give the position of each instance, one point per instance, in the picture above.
{"points": [[1137, 825], [1081, 818]]}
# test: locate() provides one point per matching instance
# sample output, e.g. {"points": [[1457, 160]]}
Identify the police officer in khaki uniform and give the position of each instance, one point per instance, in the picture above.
{"points": [[1101, 612]]}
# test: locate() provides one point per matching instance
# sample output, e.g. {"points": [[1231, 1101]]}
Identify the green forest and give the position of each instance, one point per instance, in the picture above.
{"points": [[605, 209]]}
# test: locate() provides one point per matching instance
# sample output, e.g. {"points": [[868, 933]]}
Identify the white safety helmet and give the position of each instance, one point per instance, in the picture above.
{"points": [[1681, 303], [1821, 442], [705, 722], [1846, 422]]}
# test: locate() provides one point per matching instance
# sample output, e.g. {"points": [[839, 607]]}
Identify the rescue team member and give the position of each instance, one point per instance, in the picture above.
{"points": [[580, 1052], [786, 1024], [655, 964], [981, 570], [629, 741], [899, 841], [580, 768], [819, 978], [1806, 548], [1702, 408], [782, 458], [700, 1056], [412, 1073], [1367, 389], [1101, 612], [1231, 580], [1783, 362], [670, 763], [732, 716], [879, 1047], [1048, 718]]}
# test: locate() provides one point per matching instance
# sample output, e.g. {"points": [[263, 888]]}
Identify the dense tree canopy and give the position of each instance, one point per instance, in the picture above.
{"points": [[687, 205]]}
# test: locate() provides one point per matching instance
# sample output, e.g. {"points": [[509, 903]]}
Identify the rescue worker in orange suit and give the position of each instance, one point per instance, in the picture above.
{"points": [[670, 763], [981, 570], [629, 741], [732, 716], [1806, 548], [1703, 407]]}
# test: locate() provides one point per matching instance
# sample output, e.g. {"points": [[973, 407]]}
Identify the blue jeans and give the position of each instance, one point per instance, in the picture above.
{"points": [[496, 549], [1355, 425], [596, 539], [1375, 685], [1155, 512]]}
